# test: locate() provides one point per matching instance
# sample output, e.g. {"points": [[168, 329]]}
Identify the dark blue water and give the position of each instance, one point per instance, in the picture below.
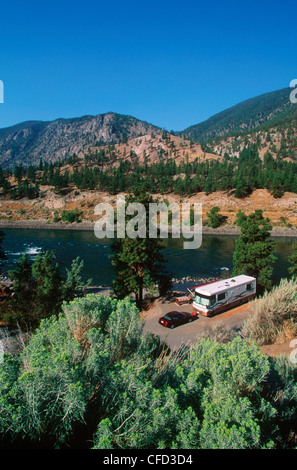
{"points": [[214, 255]]}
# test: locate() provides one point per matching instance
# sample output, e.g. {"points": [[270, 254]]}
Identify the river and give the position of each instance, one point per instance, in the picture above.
{"points": [[214, 255]]}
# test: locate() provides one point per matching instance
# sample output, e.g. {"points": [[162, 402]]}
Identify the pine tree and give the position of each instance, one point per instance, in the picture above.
{"points": [[138, 262], [39, 289], [21, 308], [214, 218], [293, 261], [48, 279], [74, 284], [254, 248]]}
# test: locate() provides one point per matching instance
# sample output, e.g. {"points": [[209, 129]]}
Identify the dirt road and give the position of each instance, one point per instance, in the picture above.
{"points": [[187, 334]]}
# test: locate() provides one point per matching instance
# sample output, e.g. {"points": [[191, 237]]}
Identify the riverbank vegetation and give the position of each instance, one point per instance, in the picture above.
{"points": [[39, 289]]}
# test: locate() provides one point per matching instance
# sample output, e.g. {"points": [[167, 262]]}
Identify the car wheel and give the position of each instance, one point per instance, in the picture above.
{"points": [[190, 321], [171, 326]]}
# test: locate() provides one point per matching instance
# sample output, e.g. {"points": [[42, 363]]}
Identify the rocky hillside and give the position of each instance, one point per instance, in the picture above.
{"points": [[146, 150], [270, 120], [28, 142]]}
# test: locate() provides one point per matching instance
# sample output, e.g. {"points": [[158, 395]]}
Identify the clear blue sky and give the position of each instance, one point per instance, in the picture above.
{"points": [[170, 63]]}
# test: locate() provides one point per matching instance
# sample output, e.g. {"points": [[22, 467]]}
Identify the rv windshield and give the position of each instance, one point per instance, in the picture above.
{"points": [[204, 300]]}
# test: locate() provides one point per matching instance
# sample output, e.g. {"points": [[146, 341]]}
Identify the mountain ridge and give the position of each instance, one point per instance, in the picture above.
{"points": [[265, 109], [28, 142]]}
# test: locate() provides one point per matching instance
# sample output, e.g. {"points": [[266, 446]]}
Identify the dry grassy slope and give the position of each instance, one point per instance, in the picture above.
{"points": [[280, 211], [176, 147]]}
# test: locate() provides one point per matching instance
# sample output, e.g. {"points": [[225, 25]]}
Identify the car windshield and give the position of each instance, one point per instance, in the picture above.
{"points": [[167, 317], [204, 300]]}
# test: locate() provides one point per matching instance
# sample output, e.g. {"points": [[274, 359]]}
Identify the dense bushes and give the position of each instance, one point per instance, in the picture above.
{"points": [[90, 378], [71, 216]]}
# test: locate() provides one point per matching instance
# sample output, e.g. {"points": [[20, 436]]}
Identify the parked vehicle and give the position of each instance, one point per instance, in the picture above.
{"points": [[217, 296], [173, 319]]}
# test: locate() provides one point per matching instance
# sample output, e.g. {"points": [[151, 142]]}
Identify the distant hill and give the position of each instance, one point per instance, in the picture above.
{"points": [[28, 142], [267, 109]]}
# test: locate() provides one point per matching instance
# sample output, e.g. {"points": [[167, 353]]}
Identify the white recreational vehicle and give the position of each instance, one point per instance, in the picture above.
{"points": [[216, 296]]}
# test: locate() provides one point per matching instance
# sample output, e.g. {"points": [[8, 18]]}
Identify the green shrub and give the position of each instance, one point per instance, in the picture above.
{"points": [[71, 216], [91, 377], [214, 218], [274, 315]]}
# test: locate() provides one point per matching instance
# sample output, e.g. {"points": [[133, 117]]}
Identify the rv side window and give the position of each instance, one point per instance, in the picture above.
{"points": [[222, 296], [249, 287]]}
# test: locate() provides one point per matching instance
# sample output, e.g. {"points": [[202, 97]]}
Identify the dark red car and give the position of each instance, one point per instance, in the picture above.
{"points": [[173, 319]]}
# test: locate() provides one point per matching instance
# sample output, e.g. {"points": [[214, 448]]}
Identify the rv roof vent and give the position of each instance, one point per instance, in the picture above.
{"points": [[233, 280]]}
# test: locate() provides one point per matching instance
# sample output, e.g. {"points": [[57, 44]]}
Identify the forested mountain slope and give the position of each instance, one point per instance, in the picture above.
{"points": [[270, 108]]}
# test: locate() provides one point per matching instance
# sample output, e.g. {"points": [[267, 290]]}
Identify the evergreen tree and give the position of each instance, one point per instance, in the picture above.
{"points": [[39, 289], [242, 187], [21, 308], [48, 295], [138, 262], [214, 218], [293, 261], [254, 248], [74, 284]]}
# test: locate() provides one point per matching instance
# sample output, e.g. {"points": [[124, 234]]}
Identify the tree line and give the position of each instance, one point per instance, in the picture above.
{"points": [[241, 174]]}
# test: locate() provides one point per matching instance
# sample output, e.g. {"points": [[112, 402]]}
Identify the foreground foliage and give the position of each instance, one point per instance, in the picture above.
{"points": [[274, 316], [90, 378]]}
